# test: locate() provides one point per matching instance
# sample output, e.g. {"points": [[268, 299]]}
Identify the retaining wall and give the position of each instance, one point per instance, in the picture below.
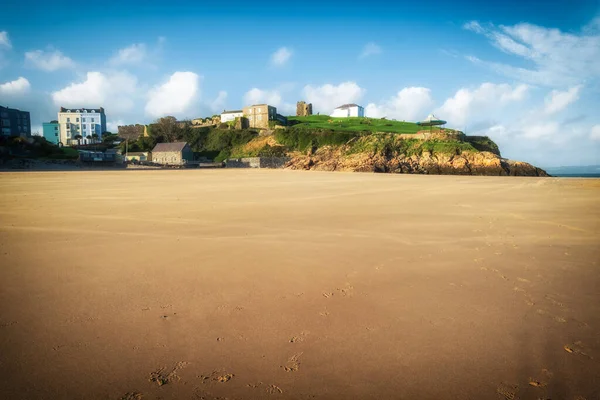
{"points": [[257, 162]]}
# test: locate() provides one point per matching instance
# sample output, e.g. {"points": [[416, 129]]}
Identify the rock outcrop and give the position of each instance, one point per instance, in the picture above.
{"points": [[329, 158]]}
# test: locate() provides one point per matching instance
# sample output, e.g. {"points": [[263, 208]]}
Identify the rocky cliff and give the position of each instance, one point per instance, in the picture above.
{"points": [[451, 158]]}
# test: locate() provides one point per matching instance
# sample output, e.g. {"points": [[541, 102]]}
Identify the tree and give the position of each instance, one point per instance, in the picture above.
{"points": [[78, 137], [167, 129], [95, 137], [109, 137]]}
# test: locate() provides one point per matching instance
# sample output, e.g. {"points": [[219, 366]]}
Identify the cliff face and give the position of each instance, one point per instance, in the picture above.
{"points": [[461, 163]]}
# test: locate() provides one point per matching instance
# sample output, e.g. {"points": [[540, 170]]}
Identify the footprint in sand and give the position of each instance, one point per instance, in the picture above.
{"points": [[272, 389], [347, 290], [554, 317], [202, 394], [554, 301], [7, 324], [292, 364], [299, 338], [162, 377], [131, 396], [508, 391], [217, 376], [536, 383], [577, 348], [167, 316], [327, 294]]}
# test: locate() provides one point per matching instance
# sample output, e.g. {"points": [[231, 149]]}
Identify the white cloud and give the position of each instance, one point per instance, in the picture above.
{"points": [[595, 132], [271, 97], [175, 96], [134, 54], [370, 49], [473, 26], [97, 90], [48, 60], [281, 57], [559, 59], [218, 104], [113, 125], [469, 104], [19, 86], [258, 96], [327, 97], [540, 130], [4, 40], [559, 100], [408, 104]]}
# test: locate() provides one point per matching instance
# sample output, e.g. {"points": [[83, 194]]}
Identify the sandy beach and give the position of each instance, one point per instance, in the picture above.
{"points": [[272, 284]]}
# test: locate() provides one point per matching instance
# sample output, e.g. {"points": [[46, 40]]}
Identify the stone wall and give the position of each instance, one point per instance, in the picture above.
{"points": [[257, 162], [200, 122]]}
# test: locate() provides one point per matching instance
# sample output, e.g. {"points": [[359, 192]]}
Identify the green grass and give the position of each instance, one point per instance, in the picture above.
{"points": [[354, 124]]}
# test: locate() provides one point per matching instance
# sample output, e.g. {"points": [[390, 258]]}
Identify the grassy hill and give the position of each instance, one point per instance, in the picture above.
{"points": [[354, 124]]}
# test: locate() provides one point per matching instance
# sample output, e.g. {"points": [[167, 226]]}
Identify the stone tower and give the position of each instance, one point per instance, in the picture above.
{"points": [[303, 109]]}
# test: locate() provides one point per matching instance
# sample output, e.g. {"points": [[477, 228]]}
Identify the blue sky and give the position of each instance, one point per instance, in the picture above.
{"points": [[526, 73]]}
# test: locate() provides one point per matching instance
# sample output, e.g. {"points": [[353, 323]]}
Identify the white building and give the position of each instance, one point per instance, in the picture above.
{"points": [[81, 121], [348, 110], [227, 116]]}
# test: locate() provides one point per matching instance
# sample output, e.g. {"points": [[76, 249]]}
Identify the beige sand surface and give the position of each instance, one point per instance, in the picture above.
{"points": [[245, 284]]}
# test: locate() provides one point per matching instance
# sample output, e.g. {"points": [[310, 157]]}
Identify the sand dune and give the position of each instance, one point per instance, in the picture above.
{"points": [[245, 284]]}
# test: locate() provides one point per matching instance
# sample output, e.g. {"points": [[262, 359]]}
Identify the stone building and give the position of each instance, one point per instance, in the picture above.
{"points": [[303, 109], [177, 153], [259, 115]]}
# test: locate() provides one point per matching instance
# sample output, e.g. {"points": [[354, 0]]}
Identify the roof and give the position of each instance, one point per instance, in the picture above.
{"points": [[232, 111], [175, 146], [137, 153], [344, 106], [80, 109], [431, 120]]}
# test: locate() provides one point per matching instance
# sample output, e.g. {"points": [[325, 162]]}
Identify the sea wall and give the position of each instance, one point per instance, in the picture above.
{"points": [[257, 162]]}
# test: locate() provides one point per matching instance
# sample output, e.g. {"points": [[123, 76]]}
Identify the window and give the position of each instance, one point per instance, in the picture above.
{"points": [[68, 120], [92, 119], [56, 128], [260, 117], [83, 119], [77, 120], [258, 110]]}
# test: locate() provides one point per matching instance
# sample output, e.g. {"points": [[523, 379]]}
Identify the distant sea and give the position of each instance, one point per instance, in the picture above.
{"points": [[575, 175], [584, 171]]}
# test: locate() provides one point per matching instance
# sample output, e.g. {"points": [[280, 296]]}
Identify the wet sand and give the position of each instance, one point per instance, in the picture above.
{"points": [[247, 284]]}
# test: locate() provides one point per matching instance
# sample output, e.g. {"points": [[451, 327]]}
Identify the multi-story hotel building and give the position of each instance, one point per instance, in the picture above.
{"points": [[81, 121], [14, 122]]}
